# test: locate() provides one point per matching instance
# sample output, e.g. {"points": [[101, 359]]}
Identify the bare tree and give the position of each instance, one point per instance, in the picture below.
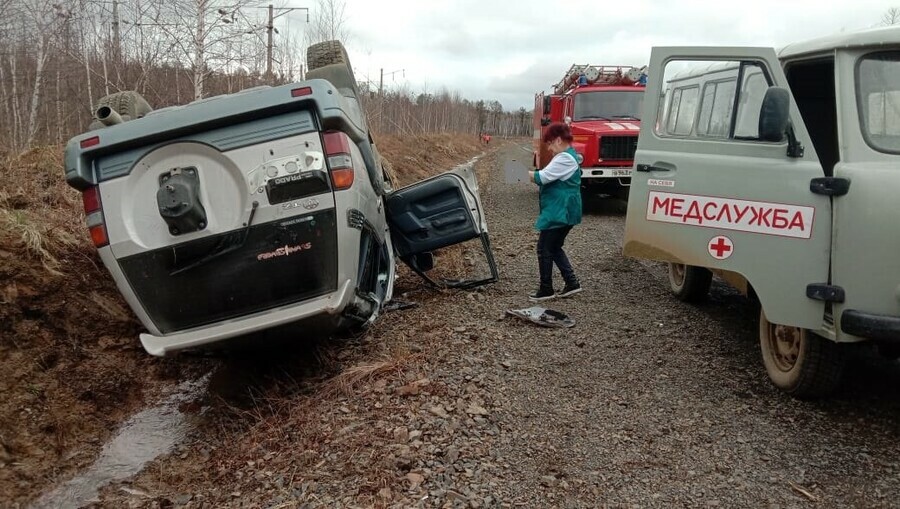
{"points": [[891, 17], [43, 21], [214, 26], [54, 65], [329, 22], [401, 112]]}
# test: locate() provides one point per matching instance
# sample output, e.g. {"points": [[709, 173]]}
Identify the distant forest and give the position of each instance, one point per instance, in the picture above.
{"points": [[59, 57]]}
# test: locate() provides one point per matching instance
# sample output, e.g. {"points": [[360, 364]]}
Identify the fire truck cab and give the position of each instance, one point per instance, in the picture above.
{"points": [[602, 105]]}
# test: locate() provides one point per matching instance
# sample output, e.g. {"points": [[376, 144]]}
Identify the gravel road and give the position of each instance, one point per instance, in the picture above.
{"points": [[653, 402], [646, 402]]}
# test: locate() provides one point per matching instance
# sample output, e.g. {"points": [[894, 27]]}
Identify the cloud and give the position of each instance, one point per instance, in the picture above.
{"points": [[510, 50]]}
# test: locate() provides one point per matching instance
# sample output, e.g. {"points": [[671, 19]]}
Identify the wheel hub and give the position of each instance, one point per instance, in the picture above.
{"points": [[785, 345], [678, 271]]}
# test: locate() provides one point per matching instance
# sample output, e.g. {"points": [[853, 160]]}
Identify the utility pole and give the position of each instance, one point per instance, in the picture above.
{"points": [[115, 51], [117, 41], [270, 26], [391, 74], [270, 29]]}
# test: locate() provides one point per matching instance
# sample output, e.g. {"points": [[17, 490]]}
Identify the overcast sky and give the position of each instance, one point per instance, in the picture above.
{"points": [[508, 50]]}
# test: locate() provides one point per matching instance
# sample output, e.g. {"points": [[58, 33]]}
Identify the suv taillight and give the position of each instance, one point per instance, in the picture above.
{"points": [[340, 162], [94, 212]]}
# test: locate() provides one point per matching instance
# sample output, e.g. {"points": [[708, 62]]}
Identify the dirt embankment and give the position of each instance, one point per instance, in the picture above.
{"points": [[416, 157], [71, 367]]}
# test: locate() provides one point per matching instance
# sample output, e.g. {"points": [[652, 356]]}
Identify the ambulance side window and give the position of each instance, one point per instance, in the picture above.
{"points": [[716, 108], [753, 89], [682, 111], [712, 99], [674, 101]]}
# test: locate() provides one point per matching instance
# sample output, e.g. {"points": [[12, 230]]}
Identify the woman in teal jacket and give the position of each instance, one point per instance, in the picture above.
{"points": [[560, 199]]}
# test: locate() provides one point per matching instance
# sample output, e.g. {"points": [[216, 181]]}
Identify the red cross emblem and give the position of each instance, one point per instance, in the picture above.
{"points": [[721, 247]]}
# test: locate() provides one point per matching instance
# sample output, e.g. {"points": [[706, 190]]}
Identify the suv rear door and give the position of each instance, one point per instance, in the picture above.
{"points": [[436, 213], [709, 192]]}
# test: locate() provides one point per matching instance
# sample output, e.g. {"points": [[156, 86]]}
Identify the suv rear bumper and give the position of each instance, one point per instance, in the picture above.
{"points": [[332, 304], [871, 326]]}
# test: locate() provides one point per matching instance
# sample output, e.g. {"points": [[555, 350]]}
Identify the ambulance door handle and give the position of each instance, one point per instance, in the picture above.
{"points": [[650, 167]]}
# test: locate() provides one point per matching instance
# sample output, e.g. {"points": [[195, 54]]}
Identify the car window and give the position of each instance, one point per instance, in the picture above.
{"points": [[706, 104], [608, 105], [878, 93], [673, 111], [720, 119], [712, 99], [753, 89], [715, 109], [681, 116]]}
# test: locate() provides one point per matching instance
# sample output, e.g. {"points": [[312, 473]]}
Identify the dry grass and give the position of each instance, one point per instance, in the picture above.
{"points": [[16, 228], [40, 215], [417, 157], [351, 379]]}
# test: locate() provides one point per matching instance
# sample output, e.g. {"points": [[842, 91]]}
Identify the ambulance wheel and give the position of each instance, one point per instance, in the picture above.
{"points": [[689, 283], [799, 362]]}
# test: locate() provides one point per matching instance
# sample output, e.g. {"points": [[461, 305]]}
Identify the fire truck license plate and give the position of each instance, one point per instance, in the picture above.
{"points": [[621, 173]]}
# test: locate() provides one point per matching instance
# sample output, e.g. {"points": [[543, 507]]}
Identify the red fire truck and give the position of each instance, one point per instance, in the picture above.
{"points": [[602, 104]]}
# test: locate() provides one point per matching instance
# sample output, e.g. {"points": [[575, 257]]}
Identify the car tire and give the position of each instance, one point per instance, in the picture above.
{"points": [[130, 105], [329, 61], [798, 361], [689, 283]]}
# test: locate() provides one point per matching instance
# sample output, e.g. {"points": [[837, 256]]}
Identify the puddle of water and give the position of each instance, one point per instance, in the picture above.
{"points": [[142, 438]]}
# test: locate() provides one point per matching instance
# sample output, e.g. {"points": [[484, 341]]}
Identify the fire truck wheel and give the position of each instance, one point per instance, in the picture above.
{"points": [[799, 362], [328, 60], [689, 283]]}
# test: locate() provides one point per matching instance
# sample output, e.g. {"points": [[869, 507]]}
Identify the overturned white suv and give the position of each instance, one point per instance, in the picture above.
{"points": [[243, 212]]}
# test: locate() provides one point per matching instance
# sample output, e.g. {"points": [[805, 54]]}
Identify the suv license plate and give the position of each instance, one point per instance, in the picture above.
{"points": [[621, 173]]}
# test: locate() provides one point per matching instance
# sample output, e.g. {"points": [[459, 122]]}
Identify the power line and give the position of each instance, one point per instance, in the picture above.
{"points": [[270, 28]]}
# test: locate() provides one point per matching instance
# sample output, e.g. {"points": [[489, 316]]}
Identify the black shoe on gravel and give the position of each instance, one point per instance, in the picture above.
{"points": [[542, 294], [570, 290]]}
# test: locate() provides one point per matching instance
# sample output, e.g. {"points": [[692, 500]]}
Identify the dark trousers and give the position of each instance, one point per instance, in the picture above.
{"points": [[550, 251]]}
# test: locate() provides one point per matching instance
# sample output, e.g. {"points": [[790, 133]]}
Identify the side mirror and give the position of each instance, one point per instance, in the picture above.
{"points": [[545, 122], [546, 105], [774, 114]]}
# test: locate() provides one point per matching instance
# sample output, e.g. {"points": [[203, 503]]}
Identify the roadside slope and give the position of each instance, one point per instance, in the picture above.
{"points": [[71, 366]]}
